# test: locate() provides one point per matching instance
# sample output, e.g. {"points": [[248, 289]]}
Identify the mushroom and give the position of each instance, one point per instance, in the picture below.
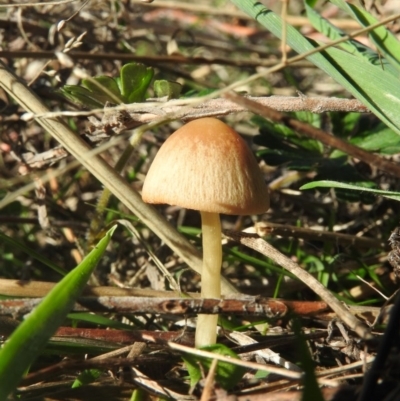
{"points": [[205, 165]]}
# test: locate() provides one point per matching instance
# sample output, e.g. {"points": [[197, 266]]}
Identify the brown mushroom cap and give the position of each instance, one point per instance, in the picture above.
{"points": [[205, 165]]}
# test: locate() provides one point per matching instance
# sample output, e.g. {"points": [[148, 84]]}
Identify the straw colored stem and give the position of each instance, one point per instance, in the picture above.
{"points": [[206, 329]]}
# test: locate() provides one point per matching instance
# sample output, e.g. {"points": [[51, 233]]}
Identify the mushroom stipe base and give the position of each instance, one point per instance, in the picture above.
{"points": [[206, 327]]}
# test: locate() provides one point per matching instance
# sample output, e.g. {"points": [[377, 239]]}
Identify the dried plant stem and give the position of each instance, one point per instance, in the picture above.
{"points": [[286, 230], [148, 60], [258, 244], [182, 109], [251, 365], [249, 306]]}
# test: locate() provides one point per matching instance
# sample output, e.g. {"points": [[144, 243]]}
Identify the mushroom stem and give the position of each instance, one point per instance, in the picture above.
{"points": [[206, 328]]}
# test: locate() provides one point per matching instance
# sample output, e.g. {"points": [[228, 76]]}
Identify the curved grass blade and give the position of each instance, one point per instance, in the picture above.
{"points": [[32, 253], [352, 46], [378, 89], [28, 340], [342, 185], [385, 41]]}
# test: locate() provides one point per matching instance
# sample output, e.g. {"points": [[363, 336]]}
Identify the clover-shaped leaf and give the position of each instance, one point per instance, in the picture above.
{"points": [[129, 87], [134, 81], [227, 375]]}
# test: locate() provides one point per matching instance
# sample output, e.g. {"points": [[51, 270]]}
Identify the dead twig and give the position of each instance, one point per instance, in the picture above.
{"points": [[248, 306], [253, 241], [171, 306], [131, 114], [267, 228], [148, 60]]}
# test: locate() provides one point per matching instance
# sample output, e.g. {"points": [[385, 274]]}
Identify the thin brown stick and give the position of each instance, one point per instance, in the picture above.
{"points": [[168, 306], [209, 382], [37, 3], [253, 241], [285, 230], [36, 289], [182, 109], [251, 365], [248, 306], [222, 107], [149, 60], [315, 133]]}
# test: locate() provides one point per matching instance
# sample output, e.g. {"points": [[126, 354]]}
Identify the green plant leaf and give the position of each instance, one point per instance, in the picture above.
{"points": [[104, 89], [335, 184], [311, 389], [32, 253], [164, 88], [378, 89], [98, 320], [129, 87], [278, 136], [352, 46], [86, 377], [134, 81], [385, 41], [381, 139], [79, 94], [28, 340], [227, 375]]}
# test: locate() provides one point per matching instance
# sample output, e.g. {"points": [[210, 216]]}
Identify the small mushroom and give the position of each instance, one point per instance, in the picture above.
{"points": [[205, 165]]}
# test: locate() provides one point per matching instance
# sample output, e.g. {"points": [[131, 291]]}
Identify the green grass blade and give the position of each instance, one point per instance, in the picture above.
{"points": [[352, 46], [33, 254], [342, 185], [378, 89], [28, 340], [385, 41]]}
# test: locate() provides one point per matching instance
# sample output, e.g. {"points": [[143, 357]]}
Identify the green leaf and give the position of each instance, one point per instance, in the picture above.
{"points": [[311, 3], [311, 389], [170, 89], [98, 320], [352, 46], [227, 375], [335, 184], [104, 89], [86, 377], [134, 81], [280, 137], [81, 95], [293, 159], [130, 87], [381, 139], [31, 336], [378, 89], [385, 41], [32, 253]]}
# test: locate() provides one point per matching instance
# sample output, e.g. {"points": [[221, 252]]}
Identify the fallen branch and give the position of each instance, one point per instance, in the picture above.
{"points": [[253, 241], [248, 306], [285, 230]]}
